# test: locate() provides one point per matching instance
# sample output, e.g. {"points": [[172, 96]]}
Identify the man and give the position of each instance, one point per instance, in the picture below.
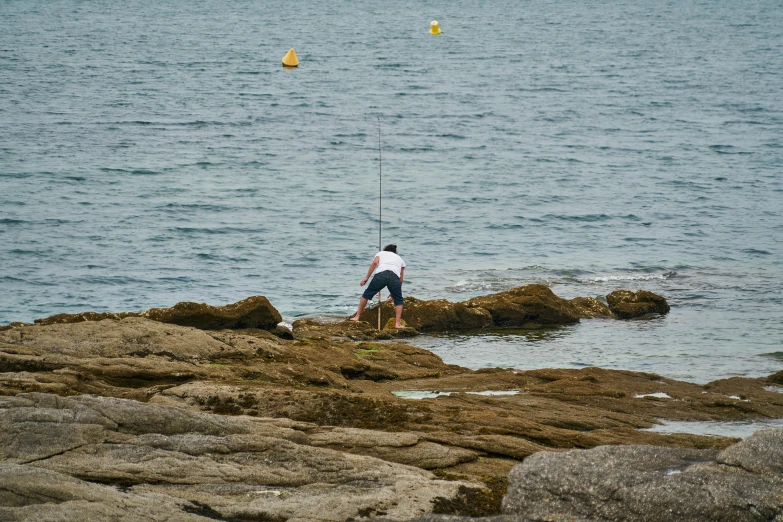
{"points": [[389, 271]]}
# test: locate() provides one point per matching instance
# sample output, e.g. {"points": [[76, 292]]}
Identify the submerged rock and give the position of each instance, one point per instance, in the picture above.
{"points": [[527, 306], [627, 305], [627, 483]]}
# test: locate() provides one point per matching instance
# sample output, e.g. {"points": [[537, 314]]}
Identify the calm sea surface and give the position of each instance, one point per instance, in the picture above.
{"points": [[156, 152]]}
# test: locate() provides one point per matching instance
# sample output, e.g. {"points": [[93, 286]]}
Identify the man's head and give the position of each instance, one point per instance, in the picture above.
{"points": [[390, 248]]}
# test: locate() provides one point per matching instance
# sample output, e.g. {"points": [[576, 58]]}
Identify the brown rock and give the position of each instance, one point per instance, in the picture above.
{"points": [[84, 316], [13, 325], [627, 305], [437, 315], [776, 378], [527, 306], [590, 308], [253, 312]]}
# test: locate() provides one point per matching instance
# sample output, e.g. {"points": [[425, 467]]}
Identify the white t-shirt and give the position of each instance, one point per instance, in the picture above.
{"points": [[389, 261]]}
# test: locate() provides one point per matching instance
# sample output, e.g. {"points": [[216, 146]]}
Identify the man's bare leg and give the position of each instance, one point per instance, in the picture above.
{"points": [[362, 304], [398, 316]]}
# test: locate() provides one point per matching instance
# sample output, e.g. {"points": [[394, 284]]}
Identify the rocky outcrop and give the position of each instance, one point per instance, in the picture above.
{"points": [[349, 330], [253, 312], [527, 306], [55, 450], [317, 393], [437, 315], [628, 305], [629, 483], [530, 306]]}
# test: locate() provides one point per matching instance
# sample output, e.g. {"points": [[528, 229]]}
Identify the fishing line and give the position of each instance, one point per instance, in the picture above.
{"points": [[380, 208]]}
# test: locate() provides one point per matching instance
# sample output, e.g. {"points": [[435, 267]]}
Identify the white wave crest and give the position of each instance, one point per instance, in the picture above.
{"points": [[632, 277]]}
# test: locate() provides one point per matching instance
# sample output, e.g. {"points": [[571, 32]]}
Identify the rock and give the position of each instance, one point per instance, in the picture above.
{"points": [[626, 483], [527, 306], [349, 330], [590, 308], [392, 322], [84, 316], [253, 312], [343, 330], [30, 493], [15, 324], [627, 305], [760, 453], [322, 394], [404, 448], [189, 462], [283, 332], [776, 378], [437, 315]]}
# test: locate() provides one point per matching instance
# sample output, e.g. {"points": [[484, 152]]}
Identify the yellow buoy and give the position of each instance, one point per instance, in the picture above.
{"points": [[290, 59], [434, 28]]}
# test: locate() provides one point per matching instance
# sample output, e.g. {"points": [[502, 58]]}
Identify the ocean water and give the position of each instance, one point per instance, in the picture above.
{"points": [[156, 152]]}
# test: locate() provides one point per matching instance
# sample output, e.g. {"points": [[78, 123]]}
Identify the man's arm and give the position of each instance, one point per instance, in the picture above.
{"points": [[373, 265], [402, 274]]}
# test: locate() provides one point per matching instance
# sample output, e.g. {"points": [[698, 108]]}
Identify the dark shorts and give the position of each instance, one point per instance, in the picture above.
{"points": [[387, 279]]}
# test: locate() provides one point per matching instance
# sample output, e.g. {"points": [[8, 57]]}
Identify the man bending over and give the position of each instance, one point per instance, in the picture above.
{"points": [[389, 271]]}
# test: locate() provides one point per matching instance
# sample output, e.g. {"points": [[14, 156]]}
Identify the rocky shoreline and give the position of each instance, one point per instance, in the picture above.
{"points": [[217, 413]]}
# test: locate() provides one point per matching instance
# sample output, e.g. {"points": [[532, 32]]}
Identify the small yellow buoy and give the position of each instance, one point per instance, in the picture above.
{"points": [[290, 59], [434, 29]]}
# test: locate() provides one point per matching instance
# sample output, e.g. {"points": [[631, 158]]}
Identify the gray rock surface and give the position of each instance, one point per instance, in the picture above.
{"points": [[649, 483], [29, 493], [60, 455]]}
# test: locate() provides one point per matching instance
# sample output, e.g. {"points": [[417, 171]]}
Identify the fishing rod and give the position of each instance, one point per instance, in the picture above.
{"points": [[380, 209]]}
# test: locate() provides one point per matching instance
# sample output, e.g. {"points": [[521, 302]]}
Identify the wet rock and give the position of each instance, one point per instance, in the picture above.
{"points": [[527, 306], [626, 483], [627, 305], [437, 315], [253, 312], [590, 308]]}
